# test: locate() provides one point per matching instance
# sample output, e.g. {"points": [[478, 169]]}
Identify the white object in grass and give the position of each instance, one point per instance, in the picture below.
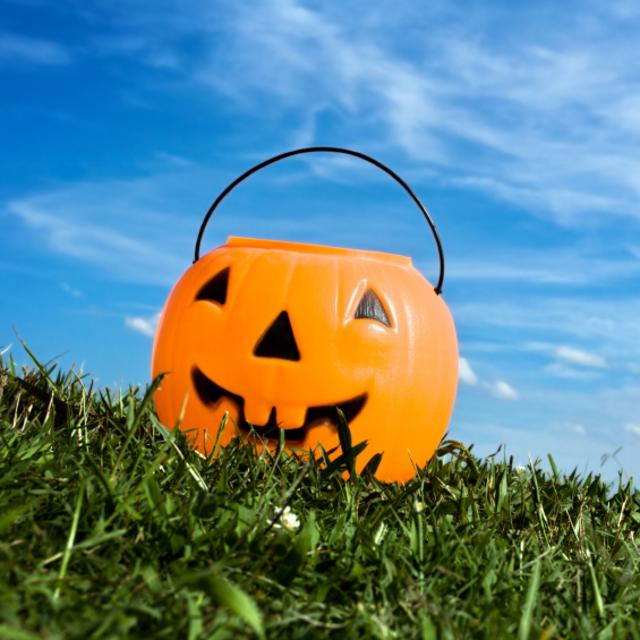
{"points": [[286, 519]]}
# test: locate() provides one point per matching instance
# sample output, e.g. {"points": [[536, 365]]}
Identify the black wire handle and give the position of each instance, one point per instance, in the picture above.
{"points": [[348, 152]]}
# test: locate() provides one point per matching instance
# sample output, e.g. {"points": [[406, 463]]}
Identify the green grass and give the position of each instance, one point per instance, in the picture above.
{"points": [[111, 527]]}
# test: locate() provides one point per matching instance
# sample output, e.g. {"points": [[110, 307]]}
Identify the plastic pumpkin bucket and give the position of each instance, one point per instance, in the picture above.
{"points": [[279, 335]]}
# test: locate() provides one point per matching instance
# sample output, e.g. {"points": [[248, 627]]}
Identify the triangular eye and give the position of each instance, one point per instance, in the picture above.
{"points": [[371, 307], [215, 290]]}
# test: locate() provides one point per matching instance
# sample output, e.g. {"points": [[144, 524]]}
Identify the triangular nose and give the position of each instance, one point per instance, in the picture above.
{"points": [[278, 341]]}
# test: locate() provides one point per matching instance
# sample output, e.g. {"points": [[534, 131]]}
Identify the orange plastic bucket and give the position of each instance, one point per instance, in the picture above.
{"points": [[279, 334]]}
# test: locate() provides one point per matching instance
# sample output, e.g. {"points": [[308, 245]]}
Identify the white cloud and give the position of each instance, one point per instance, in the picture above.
{"points": [[125, 227], [98, 243], [570, 363], [144, 325], [72, 291], [16, 47], [143, 230], [561, 370], [542, 120], [465, 373], [499, 388], [579, 357], [632, 428], [141, 47], [522, 109], [578, 429], [503, 390], [610, 324], [579, 267]]}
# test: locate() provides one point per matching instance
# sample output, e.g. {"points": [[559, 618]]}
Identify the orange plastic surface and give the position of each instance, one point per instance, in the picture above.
{"points": [[402, 377]]}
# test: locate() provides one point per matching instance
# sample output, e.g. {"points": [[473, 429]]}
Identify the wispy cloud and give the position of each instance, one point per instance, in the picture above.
{"points": [[146, 325], [566, 267], [570, 363], [466, 373], [510, 116], [632, 428], [606, 324], [127, 228], [580, 357], [143, 48], [503, 390], [498, 388], [143, 229], [101, 245], [72, 291], [560, 370], [26, 49], [542, 120], [578, 429]]}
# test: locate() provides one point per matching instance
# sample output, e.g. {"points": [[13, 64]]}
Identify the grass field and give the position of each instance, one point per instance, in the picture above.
{"points": [[111, 527]]}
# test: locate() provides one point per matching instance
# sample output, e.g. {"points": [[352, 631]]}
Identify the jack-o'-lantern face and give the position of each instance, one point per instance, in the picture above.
{"points": [[280, 334]]}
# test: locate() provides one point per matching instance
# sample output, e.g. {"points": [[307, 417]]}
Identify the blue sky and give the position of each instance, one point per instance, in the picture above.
{"points": [[518, 127]]}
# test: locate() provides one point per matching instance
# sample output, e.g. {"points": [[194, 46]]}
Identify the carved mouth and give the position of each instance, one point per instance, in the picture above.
{"points": [[210, 393]]}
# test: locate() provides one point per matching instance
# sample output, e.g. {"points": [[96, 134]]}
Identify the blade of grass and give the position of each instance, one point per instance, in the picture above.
{"points": [[70, 540], [527, 611]]}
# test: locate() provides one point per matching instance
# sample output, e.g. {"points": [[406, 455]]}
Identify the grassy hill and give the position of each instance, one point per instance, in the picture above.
{"points": [[111, 527]]}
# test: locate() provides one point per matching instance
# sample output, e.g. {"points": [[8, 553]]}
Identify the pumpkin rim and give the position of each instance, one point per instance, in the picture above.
{"points": [[322, 249]]}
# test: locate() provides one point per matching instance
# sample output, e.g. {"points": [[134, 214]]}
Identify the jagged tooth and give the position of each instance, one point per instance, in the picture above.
{"points": [[290, 416], [257, 412]]}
